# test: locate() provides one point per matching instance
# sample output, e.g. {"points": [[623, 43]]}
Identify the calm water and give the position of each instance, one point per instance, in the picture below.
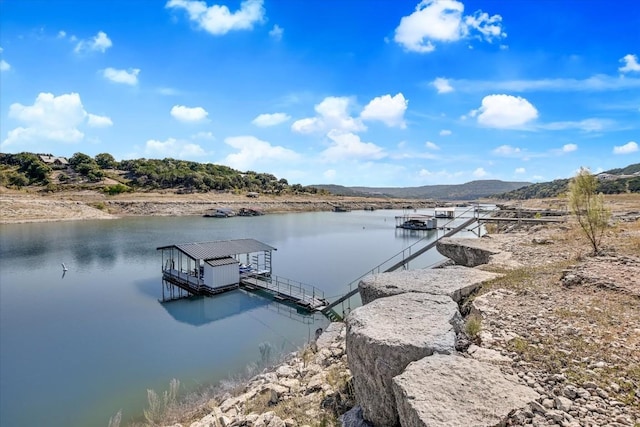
{"points": [[78, 347]]}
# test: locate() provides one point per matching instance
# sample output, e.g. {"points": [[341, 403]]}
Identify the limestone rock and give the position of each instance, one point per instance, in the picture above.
{"points": [[449, 390], [456, 282], [330, 335], [384, 336], [487, 355], [467, 252]]}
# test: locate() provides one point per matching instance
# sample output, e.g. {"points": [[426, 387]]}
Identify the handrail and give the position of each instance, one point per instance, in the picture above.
{"points": [[407, 258]]}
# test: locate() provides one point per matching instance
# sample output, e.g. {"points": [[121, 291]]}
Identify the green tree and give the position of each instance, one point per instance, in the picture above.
{"points": [[105, 161], [588, 207]]}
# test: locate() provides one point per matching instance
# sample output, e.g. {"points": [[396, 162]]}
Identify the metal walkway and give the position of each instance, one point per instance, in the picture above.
{"points": [[305, 296], [328, 310]]}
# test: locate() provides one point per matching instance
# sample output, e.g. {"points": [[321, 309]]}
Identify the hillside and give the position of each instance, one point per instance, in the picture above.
{"points": [[614, 181], [468, 191]]}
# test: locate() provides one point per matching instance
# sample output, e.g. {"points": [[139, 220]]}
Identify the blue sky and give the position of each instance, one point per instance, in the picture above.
{"points": [[354, 92]]}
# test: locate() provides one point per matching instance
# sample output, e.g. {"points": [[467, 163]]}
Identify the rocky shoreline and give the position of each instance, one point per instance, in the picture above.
{"points": [[554, 333]]}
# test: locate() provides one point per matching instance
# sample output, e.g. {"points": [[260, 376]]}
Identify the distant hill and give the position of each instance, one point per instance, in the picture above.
{"points": [[469, 191], [614, 181]]}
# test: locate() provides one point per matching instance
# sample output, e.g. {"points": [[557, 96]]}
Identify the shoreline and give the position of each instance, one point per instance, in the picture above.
{"points": [[24, 207]]}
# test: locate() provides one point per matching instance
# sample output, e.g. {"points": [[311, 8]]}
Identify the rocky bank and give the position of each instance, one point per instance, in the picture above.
{"points": [[541, 335]]}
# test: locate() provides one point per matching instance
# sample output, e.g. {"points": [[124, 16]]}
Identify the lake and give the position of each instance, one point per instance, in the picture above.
{"points": [[78, 347]]}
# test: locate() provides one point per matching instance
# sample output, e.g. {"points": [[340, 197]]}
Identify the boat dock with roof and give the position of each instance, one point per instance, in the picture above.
{"points": [[211, 268]]}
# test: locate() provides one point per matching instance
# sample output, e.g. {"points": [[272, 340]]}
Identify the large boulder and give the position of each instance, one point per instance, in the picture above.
{"points": [[457, 282], [467, 252], [384, 336], [443, 390]]}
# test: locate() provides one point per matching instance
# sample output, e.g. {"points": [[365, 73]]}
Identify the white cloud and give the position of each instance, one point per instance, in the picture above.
{"points": [[595, 83], [253, 152], [62, 34], [129, 77], [445, 132], [173, 148], [329, 174], [189, 114], [348, 146], [629, 147], [99, 43], [568, 148], [442, 85], [218, 19], [51, 118], [520, 170], [480, 172], [265, 120], [507, 151], [586, 125], [203, 135], [389, 110], [442, 21], [98, 121], [4, 65], [505, 111], [630, 64], [276, 32], [431, 146], [333, 113]]}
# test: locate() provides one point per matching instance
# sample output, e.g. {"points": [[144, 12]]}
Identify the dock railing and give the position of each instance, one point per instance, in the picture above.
{"points": [[402, 258], [289, 289]]}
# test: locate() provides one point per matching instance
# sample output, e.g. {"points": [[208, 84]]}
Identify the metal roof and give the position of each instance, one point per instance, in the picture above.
{"points": [[221, 261], [220, 248]]}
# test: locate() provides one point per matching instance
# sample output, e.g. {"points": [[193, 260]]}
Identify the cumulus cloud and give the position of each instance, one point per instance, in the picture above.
{"points": [[442, 85], [98, 43], [520, 170], [445, 132], [630, 64], [173, 148], [189, 114], [480, 172], [568, 148], [266, 120], [127, 77], [629, 147], [348, 146], [253, 151], [431, 146], [276, 32], [333, 113], [51, 118], [504, 111], [4, 65], [218, 19], [98, 121], [443, 21], [389, 110], [507, 151]]}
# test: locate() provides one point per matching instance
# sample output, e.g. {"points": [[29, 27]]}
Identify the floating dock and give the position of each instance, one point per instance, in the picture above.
{"points": [[212, 268]]}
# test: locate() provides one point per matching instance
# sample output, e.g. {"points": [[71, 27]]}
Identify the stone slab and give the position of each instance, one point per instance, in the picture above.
{"points": [[452, 391], [384, 336], [456, 282]]}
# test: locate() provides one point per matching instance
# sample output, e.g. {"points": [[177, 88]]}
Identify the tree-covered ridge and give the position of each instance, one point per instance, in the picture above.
{"points": [[24, 169], [614, 181]]}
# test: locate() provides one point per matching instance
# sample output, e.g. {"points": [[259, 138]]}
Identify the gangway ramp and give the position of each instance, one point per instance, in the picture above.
{"points": [[328, 310]]}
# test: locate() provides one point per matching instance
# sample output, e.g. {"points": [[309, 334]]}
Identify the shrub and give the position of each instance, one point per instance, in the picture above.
{"points": [[588, 207]]}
